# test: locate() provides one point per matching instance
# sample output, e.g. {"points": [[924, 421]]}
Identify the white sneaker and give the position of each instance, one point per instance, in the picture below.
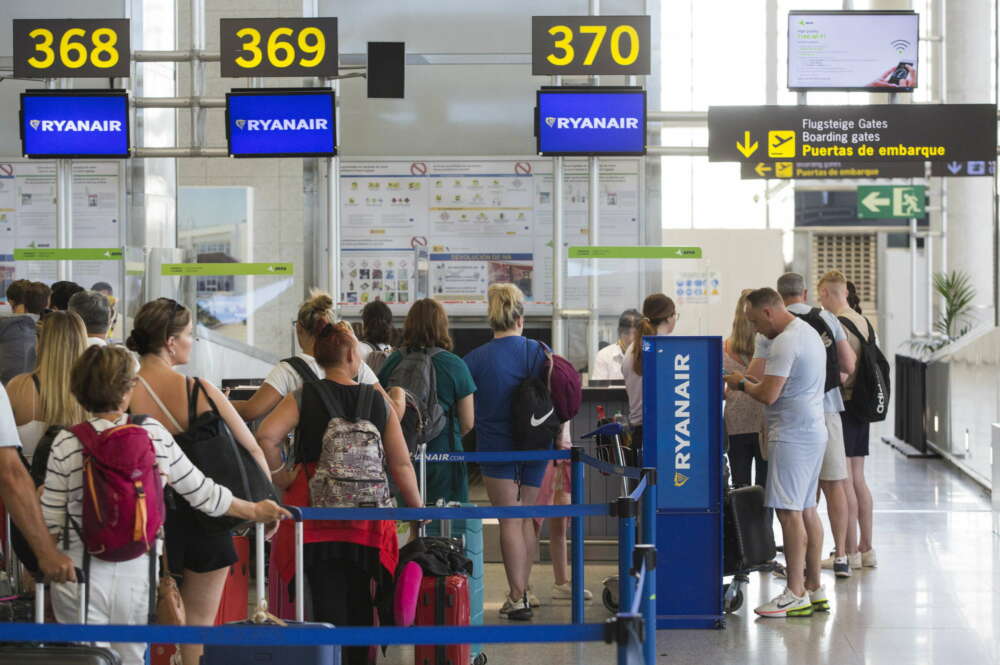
{"points": [[856, 560], [868, 559], [820, 603], [787, 604], [533, 599], [565, 592], [508, 605]]}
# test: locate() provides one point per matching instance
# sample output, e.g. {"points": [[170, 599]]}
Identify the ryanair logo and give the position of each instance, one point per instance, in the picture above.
{"points": [[592, 122], [76, 125], [281, 124], [679, 479]]}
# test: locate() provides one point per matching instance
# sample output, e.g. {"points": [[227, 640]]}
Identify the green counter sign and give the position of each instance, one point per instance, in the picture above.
{"points": [[635, 252], [68, 254], [888, 201], [219, 269]]}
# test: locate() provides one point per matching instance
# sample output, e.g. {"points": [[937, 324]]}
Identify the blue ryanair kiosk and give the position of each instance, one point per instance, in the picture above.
{"points": [[682, 439]]}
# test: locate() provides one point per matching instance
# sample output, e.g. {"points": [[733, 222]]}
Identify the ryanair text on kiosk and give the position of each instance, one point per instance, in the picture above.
{"points": [[682, 419]]}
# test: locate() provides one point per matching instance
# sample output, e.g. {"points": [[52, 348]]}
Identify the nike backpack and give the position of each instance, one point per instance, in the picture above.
{"points": [[535, 422], [816, 321], [424, 418], [869, 401]]}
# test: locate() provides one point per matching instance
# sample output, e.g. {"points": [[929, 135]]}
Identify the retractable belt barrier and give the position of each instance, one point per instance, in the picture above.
{"points": [[633, 630]]}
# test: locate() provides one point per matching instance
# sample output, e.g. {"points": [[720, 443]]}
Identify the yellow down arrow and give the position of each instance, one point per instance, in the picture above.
{"points": [[747, 148], [762, 169]]}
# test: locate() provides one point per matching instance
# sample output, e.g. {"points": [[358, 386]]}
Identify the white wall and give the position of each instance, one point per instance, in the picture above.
{"points": [[744, 258]]}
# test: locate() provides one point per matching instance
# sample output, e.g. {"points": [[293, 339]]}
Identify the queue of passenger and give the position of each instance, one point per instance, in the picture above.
{"points": [[778, 359]]}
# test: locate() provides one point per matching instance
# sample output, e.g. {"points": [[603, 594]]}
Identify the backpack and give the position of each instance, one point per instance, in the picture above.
{"points": [[350, 471], [376, 357], [424, 418], [565, 385], [869, 401], [815, 320], [123, 509], [534, 421], [302, 369], [40, 460]]}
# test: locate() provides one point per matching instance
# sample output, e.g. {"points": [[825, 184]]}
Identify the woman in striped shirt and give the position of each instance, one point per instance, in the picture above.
{"points": [[102, 380]]}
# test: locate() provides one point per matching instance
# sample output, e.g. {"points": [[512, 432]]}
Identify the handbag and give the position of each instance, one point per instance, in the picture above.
{"points": [[210, 445], [169, 603]]}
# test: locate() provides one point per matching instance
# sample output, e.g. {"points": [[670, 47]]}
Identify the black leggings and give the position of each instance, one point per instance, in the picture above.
{"points": [[743, 450], [341, 595]]}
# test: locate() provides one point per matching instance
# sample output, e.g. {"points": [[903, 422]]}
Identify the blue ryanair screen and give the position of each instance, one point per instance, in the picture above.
{"points": [[591, 123], [287, 124], [74, 125]]}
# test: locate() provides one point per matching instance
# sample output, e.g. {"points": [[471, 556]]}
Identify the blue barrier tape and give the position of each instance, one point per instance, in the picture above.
{"points": [[640, 583], [639, 489], [300, 636], [486, 512], [511, 456], [614, 469]]}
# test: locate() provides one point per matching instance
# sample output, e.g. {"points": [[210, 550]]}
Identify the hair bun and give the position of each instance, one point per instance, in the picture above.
{"points": [[138, 341]]}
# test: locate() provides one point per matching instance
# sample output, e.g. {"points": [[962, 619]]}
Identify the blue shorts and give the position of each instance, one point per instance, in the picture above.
{"points": [[523, 473]]}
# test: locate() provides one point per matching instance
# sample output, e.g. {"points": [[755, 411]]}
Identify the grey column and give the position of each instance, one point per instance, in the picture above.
{"points": [[971, 244]]}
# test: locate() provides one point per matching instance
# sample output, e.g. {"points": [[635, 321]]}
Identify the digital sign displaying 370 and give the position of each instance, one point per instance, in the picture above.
{"points": [[286, 123], [591, 121]]}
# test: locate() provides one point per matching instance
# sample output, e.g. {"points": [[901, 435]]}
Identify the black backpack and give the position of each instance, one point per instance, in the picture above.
{"points": [[534, 421], [815, 319], [424, 418], [869, 401]]}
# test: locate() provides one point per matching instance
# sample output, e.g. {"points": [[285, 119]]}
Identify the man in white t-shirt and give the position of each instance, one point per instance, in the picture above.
{"points": [[833, 473], [96, 312], [608, 364], [20, 499], [792, 390]]}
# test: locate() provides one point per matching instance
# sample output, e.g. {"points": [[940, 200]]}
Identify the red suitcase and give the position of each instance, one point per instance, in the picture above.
{"points": [[443, 601]]}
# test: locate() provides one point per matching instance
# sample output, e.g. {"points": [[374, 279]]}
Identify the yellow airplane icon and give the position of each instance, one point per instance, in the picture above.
{"points": [[781, 143]]}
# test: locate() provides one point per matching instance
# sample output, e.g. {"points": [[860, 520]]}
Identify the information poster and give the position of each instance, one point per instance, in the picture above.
{"points": [[28, 219], [697, 288], [479, 222]]}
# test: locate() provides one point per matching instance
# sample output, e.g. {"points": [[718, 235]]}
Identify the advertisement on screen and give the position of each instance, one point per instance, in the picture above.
{"points": [[74, 125], [591, 122], [875, 51], [281, 124]]}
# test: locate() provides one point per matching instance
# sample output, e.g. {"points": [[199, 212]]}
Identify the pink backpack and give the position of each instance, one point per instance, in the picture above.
{"points": [[123, 508]]}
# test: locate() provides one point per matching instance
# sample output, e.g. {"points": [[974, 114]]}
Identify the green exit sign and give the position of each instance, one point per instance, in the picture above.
{"points": [[619, 252], [891, 201]]}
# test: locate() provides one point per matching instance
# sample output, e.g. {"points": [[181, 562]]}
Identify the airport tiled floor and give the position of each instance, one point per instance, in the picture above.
{"points": [[933, 599]]}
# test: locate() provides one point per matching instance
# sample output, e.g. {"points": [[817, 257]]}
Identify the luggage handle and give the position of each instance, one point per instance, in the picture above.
{"points": [[81, 580], [261, 615]]}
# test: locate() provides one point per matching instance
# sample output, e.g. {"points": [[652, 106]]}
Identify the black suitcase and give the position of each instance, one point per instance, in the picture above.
{"points": [[57, 654], [749, 537]]}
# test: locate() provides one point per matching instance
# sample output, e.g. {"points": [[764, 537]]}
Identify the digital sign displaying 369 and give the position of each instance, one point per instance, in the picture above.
{"points": [[286, 123]]}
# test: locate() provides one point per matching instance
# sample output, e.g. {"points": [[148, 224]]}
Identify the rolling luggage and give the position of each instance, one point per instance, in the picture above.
{"points": [[58, 654], [748, 535], [234, 654], [443, 601], [236, 594]]}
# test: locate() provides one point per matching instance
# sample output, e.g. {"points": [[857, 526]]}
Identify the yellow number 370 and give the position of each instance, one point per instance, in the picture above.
{"points": [[280, 51], [564, 43], [73, 52]]}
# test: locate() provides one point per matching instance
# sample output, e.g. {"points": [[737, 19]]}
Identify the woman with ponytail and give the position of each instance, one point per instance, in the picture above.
{"points": [[289, 374], [659, 316]]}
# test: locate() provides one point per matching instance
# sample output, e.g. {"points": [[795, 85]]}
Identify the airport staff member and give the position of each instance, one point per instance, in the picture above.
{"points": [[608, 366], [792, 391]]}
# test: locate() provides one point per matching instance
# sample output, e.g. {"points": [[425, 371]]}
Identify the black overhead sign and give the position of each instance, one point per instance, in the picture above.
{"points": [[590, 45], [829, 170], [278, 47], [969, 168], [71, 48], [898, 132]]}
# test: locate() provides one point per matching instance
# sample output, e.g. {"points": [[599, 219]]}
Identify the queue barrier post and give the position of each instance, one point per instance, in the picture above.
{"points": [[625, 509], [648, 535], [576, 535]]}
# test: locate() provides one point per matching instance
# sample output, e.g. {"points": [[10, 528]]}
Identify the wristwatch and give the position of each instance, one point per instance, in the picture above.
{"points": [[742, 385]]}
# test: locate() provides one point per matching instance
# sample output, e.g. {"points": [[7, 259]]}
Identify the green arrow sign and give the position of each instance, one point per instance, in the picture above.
{"points": [[888, 201], [635, 252], [217, 269], [71, 254]]}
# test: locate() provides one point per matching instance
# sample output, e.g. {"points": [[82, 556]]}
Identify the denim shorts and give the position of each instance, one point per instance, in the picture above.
{"points": [[523, 473]]}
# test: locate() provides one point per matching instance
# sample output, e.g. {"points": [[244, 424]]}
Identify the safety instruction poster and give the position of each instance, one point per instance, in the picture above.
{"points": [[697, 288], [449, 228], [28, 219]]}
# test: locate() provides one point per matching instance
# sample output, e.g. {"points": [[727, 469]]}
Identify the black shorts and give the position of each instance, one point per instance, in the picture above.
{"points": [[856, 435], [190, 548]]}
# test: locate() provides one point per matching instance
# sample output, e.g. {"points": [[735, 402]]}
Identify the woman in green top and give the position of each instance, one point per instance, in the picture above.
{"points": [[426, 327]]}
